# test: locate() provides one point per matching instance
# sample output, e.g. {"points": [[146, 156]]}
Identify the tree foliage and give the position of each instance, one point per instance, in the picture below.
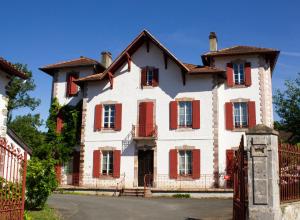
{"points": [[287, 106], [18, 91], [27, 127], [59, 146], [40, 182]]}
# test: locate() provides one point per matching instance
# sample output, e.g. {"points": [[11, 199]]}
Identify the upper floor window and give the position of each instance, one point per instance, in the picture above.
{"points": [[239, 74], [107, 162], [240, 115], [185, 162], [109, 116], [72, 88], [185, 113], [149, 76]]}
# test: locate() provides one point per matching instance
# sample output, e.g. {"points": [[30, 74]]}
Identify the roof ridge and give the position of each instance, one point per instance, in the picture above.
{"points": [[68, 61]]}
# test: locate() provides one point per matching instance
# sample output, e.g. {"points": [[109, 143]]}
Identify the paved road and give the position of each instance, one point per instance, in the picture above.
{"points": [[82, 207]]}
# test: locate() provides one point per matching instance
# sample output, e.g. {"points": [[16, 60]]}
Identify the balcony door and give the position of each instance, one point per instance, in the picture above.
{"points": [[146, 124]]}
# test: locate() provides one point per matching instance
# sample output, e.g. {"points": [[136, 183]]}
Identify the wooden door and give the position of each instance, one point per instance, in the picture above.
{"points": [[145, 165]]}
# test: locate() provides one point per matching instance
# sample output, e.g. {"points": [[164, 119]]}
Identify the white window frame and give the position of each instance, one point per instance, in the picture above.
{"points": [[241, 114], [185, 114], [240, 67], [186, 169], [110, 122], [109, 156]]}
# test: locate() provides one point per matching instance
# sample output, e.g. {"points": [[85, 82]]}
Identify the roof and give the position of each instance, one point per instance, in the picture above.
{"points": [[19, 141], [78, 62], [198, 69], [242, 50], [10, 69], [144, 36]]}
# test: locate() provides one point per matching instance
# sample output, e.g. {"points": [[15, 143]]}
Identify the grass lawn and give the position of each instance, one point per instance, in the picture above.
{"points": [[45, 214]]}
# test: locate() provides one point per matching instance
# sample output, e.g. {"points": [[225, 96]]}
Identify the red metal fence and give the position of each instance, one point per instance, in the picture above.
{"points": [[289, 172], [12, 181]]}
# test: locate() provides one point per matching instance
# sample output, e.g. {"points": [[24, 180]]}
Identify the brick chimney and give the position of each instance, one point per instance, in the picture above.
{"points": [[213, 42], [106, 58]]}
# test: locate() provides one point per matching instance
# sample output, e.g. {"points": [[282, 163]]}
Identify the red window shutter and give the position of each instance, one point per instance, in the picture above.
{"points": [[72, 88], [98, 117], [59, 123], [96, 163], [229, 162], [155, 77], [251, 114], [173, 115], [149, 119], [196, 114], [173, 164], [146, 126], [143, 76], [196, 164], [247, 74], [118, 117], [57, 168], [229, 73], [117, 163], [142, 119], [229, 115]]}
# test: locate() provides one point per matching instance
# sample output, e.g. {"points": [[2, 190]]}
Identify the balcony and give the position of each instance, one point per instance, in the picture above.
{"points": [[144, 132]]}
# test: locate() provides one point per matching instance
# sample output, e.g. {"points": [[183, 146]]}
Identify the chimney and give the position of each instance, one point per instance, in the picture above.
{"points": [[213, 42], [106, 58]]}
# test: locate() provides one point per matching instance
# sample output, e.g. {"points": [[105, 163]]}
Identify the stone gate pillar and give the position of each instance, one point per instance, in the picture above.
{"points": [[263, 173]]}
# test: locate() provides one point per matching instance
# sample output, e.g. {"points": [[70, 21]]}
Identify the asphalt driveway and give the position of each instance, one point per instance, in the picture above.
{"points": [[82, 207]]}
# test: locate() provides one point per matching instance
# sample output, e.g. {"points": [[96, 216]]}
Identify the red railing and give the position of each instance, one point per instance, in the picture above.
{"points": [[289, 172], [139, 131], [13, 166]]}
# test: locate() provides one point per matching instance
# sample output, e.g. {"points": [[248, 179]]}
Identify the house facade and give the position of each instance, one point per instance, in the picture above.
{"points": [[8, 138], [149, 118]]}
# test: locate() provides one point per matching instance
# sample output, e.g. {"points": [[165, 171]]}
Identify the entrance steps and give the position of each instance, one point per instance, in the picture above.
{"points": [[137, 192]]}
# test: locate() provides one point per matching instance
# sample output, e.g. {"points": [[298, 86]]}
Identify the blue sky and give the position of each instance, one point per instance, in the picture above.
{"points": [[42, 32]]}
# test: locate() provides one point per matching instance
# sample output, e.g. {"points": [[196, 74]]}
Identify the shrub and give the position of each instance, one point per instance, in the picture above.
{"points": [[40, 182], [179, 195]]}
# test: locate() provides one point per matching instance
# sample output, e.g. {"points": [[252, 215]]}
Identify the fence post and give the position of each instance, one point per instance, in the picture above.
{"points": [[24, 184], [263, 173]]}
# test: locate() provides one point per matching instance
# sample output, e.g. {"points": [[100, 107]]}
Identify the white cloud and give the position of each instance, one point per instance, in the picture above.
{"points": [[292, 54]]}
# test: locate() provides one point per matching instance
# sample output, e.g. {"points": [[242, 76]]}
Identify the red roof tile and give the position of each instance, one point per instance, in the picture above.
{"points": [[10, 69]]}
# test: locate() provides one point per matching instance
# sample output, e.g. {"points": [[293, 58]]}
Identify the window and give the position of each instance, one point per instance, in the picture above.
{"points": [[240, 115], [149, 76], [239, 74], [185, 162], [185, 114], [109, 116], [107, 163]]}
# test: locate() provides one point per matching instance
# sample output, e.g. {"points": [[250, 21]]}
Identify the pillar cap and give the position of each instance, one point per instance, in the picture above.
{"points": [[262, 129]]}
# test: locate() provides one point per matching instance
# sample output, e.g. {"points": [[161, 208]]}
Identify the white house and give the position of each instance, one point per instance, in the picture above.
{"points": [[149, 116], [10, 143]]}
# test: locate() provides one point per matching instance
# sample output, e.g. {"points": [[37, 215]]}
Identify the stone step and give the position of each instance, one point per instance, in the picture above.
{"points": [[132, 192]]}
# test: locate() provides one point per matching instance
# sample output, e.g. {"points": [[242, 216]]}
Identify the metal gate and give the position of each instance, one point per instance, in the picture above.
{"points": [[13, 166], [240, 195]]}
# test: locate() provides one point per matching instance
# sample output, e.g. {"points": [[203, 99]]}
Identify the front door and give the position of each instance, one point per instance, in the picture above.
{"points": [[145, 165]]}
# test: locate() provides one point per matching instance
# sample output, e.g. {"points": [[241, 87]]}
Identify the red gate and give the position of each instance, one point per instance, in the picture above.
{"points": [[240, 195], [13, 166]]}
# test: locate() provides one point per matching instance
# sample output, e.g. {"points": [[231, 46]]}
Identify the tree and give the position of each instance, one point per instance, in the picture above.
{"points": [[287, 106], [27, 128], [18, 91], [40, 182]]}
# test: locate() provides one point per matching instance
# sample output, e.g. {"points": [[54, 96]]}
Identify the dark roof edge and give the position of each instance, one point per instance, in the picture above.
{"points": [[19, 141], [10, 69]]}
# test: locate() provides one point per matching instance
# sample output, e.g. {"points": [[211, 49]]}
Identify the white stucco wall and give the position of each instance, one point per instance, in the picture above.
{"points": [[128, 92], [3, 103], [60, 84], [230, 139]]}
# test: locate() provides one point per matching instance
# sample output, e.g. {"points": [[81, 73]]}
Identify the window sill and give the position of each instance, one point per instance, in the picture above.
{"points": [[180, 129], [106, 177], [107, 130], [239, 86], [148, 87], [184, 178], [240, 129]]}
